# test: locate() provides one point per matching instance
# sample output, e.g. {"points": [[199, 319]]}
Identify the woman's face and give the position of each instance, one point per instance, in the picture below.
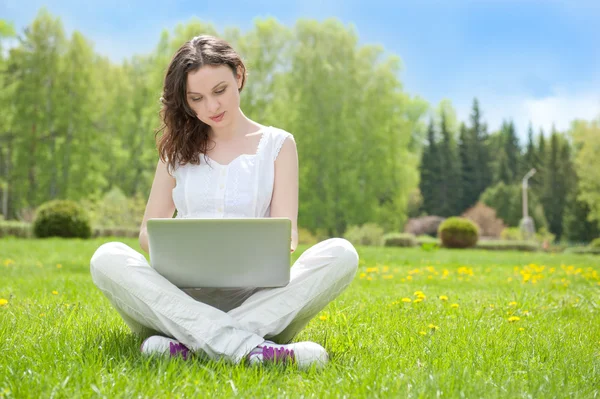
{"points": [[213, 94]]}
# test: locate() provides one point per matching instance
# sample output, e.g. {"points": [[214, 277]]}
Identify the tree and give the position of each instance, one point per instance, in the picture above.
{"points": [[450, 182], [586, 136], [431, 170]]}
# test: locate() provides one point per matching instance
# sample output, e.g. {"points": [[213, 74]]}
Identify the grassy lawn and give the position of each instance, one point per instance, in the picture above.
{"points": [[488, 324]]}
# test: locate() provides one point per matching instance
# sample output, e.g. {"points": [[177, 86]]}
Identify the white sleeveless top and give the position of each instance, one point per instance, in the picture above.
{"points": [[241, 189]]}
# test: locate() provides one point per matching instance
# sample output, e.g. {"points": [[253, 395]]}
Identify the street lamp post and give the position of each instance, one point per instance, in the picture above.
{"points": [[527, 226]]}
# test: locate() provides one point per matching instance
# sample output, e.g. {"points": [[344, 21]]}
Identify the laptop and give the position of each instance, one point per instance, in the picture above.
{"points": [[221, 253]]}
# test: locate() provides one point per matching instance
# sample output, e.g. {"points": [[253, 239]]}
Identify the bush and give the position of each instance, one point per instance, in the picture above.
{"points": [[115, 210], [507, 202], [305, 237], [504, 245], [399, 240], [61, 218], [515, 234], [116, 232], [425, 239], [367, 234], [583, 250], [485, 217], [424, 225], [15, 228], [457, 232], [595, 243]]}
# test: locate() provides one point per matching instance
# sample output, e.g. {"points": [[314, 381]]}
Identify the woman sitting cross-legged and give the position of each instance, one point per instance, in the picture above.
{"points": [[216, 163]]}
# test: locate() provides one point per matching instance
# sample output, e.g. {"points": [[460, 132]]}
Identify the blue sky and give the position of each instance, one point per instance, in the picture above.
{"points": [[527, 60]]}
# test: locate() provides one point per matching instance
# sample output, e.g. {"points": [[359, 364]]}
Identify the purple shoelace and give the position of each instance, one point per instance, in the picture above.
{"points": [[277, 354], [178, 348]]}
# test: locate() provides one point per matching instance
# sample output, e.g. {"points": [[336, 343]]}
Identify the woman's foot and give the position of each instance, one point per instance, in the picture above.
{"points": [[158, 345], [303, 354]]}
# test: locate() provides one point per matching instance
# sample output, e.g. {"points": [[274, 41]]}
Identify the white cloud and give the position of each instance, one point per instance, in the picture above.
{"points": [[559, 108]]}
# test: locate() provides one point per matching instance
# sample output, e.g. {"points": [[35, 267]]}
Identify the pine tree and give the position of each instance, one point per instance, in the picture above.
{"points": [[476, 174], [558, 181], [512, 151], [576, 225], [529, 157], [468, 173], [450, 184], [430, 173]]}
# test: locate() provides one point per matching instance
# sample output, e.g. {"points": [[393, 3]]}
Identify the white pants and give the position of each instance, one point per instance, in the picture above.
{"points": [[222, 323]]}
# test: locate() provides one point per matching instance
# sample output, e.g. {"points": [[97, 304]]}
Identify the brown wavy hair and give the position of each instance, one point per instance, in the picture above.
{"points": [[185, 136]]}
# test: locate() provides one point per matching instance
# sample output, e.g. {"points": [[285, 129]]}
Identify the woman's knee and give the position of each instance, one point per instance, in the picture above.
{"points": [[106, 257], [346, 254]]}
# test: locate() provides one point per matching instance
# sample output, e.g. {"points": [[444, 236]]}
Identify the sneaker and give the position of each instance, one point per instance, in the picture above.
{"points": [[164, 346], [303, 354]]}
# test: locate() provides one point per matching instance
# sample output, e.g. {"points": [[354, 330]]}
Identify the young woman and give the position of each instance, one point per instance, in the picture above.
{"points": [[216, 162]]}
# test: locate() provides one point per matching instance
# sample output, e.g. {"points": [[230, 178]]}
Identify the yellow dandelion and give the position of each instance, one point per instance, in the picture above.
{"points": [[406, 300], [388, 276], [454, 305], [512, 303], [3, 302], [369, 278], [418, 293], [363, 275], [409, 278], [512, 319], [58, 266], [323, 317], [8, 262], [521, 329], [422, 333], [54, 292], [491, 306], [433, 326], [443, 298], [418, 300]]}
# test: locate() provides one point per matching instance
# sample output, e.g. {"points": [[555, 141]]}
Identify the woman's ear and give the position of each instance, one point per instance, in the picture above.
{"points": [[239, 77]]}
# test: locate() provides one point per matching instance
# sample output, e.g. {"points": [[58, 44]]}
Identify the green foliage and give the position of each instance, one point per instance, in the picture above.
{"points": [[577, 226], [516, 234], [586, 136], [559, 181], [15, 229], [457, 232], [508, 245], [399, 240], [115, 210], [369, 234], [508, 203], [61, 218], [595, 243]]}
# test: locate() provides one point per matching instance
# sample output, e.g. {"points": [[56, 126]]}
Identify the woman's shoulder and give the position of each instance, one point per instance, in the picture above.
{"points": [[278, 134]]}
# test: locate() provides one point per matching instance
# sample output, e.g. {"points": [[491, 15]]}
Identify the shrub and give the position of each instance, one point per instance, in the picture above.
{"points": [[595, 243], [504, 245], [583, 250], [305, 237], [61, 218], [423, 225], [457, 232], [115, 210], [399, 240], [15, 228], [485, 217], [515, 234], [367, 234]]}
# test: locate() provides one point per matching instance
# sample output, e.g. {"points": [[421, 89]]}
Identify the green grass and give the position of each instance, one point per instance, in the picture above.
{"points": [[73, 344]]}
